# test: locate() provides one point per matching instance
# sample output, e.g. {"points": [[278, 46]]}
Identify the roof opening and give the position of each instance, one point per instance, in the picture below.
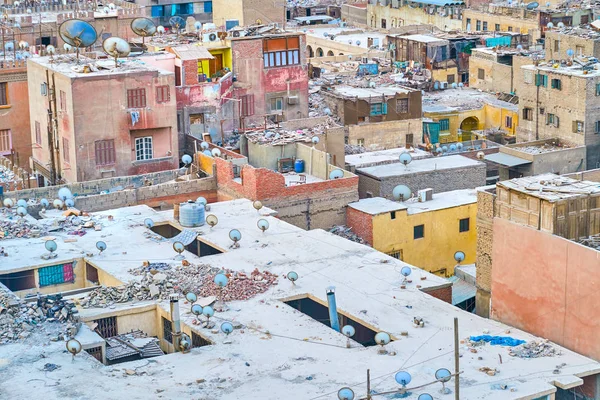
{"points": [[319, 312], [166, 230], [21, 280]]}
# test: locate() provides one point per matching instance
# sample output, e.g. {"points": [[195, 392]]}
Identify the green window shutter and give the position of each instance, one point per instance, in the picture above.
{"points": [[384, 108]]}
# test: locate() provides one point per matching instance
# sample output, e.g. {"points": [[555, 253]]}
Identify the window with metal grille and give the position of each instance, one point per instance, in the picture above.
{"points": [[199, 341], [419, 231], [401, 106], [478, 25], [410, 139], [105, 152], [167, 330], [280, 52], [63, 101], [485, 25], [396, 254], [163, 94], [237, 171], [143, 148], [577, 126], [3, 94], [247, 105], [38, 133], [95, 352], [450, 79], [463, 225], [444, 124], [136, 98], [5, 141], [56, 274], [107, 327], [66, 149]]}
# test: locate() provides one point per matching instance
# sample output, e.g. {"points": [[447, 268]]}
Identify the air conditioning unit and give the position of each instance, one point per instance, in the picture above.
{"points": [[443, 85], [425, 195], [238, 33], [293, 100], [210, 37]]}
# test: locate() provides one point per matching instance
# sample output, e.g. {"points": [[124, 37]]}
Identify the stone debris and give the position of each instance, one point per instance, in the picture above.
{"points": [[6, 174], [545, 148], [592, 241], [19, 318], [16, 227], [241, 286], [534, 349], [346, 232], [276, 135], [354, 149]]}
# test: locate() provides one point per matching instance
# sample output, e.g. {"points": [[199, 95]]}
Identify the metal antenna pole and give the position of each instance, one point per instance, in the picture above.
{"points": [[456, 362], [369, 385]]}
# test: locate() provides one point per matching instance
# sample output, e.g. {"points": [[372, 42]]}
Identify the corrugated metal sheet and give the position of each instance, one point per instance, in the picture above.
{"points": [[186, 237], [461, 290], [191, 52]]}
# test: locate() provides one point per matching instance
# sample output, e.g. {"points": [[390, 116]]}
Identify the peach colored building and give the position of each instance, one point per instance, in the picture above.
{"points": [[104, 122]]}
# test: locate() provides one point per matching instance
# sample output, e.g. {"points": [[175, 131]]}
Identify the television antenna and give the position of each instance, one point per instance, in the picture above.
{"points": [[336, 174], [212, 220], [382, 338], [78, 34], [401, 193], [257, 205], [177, 23], [405, 159], [292, 276], [348, 331], [116, 47], [235, 236], [74, 347], [179, 248], [263, 224], [100, 245], [143, 27]]}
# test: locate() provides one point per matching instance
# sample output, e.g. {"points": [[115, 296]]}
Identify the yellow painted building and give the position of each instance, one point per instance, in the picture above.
{"points": [[425, 234], [222, 59], [386, 17]]}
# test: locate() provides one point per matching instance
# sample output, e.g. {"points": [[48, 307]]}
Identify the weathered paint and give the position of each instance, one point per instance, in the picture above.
{"points": [[546, 285]]}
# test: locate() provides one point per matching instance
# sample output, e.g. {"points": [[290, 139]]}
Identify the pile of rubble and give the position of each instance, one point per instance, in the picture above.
{"points": [[346, 232], [354, 149], [6, 174], [592, 241], [16, 227], [241, 286], [275, 135], [19, 318], [534, 349], [545, 148]]}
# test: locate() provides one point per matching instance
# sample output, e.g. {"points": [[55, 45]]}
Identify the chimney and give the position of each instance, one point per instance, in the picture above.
{"points": [[174, 298], [333, 314]]}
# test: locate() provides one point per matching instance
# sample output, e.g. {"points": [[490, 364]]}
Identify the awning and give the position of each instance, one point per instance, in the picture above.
{"points": [[506, 159]]}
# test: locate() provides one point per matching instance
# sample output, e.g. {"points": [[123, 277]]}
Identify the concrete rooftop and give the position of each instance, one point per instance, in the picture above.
{"points": [[450, 100], [416, 166]]}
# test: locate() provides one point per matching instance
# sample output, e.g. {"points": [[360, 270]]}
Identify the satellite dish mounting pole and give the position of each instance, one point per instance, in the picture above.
{"points": [[369, 384], [456, 361]]}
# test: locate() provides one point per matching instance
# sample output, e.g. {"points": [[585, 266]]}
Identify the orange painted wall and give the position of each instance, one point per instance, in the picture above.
{"points": [[546, 285]]}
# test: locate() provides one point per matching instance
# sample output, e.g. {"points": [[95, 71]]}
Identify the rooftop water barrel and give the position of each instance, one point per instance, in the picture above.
{"points": [[191, 214], [299, 166]]}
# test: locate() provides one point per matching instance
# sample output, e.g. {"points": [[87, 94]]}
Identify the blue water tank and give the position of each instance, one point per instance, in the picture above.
{"points": [[299, 166], [191, 214]]}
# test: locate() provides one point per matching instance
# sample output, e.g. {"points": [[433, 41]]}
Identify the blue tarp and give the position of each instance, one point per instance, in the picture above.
{"points": [[498, 340], [498, 41]]}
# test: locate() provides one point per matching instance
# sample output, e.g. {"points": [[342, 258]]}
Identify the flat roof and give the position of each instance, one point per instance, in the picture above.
{"points": [[416, 166], [425, 39], [551, 187], [388, 156], [574, 70], [451, 100], [347, 35], [351, 91], [506, 159], [279, 352]]}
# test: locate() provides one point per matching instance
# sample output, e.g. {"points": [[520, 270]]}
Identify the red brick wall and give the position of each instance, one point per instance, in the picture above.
{"points": [[444, 294], [16, 117], [190, 72], [361, 224]]}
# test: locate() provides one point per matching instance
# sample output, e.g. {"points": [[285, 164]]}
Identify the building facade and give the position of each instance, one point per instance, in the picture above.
{"points": [[248, 12], [445, 15]]}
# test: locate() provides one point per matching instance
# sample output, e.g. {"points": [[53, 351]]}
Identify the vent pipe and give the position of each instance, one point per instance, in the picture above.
{"points": [[333, 314], [174, 298]]}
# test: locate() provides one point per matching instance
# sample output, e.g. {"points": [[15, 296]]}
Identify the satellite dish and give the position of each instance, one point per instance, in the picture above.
{"points": [[336, 174], [358, 42], [143, 27], [425, 396], [292, 276], [44, 203], [406, 271], [191, 297], [550, 25], [401, 193], [459, 256], [50, 245], [226, 327], [197, 26], [9, 46], [50, 49], [257, 205], [196, 310], [58, 204], [480, 155], [570, 53], [348, 330], [560, 25], [204, 145], [21, 211], [67, 47], [64, 193], [179, 248], [444, 149], [22, 203], [263, 224], [201, 200], [207, 153], [186, 159], [112, 6], [382, 338], [459, 146], [77, 33], [533, 5], [100, 245], [315, 139], [8, 203], [106, 10], [208, 312], [149, 223], [405, 158], [160, 29], [23, 45], [548, 4], [74, 347], [216, 152], [403, 378], [177, 23], [236, 236], [452, 147], [345, 394], [221, 280], [185, 343], [116, 47], [70, 202], [212, 220], [443, 375]]}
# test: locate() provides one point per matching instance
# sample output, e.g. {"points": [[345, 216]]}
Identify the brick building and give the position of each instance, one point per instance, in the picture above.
{"points": [[441, 174], [583, 42], [271, 77], [15, 136], [248, 12], [127, 127]]}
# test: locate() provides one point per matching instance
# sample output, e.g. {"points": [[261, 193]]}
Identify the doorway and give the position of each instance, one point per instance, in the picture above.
{"points": [[216, 64]]}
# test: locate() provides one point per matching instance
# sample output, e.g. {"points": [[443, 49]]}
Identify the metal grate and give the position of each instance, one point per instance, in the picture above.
{"points": [[107, 327], [56, 274], [167, 330], [199, 341], [95, 352]]}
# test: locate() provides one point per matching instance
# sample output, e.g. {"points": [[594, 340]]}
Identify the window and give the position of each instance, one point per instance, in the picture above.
{"points": [[556, 45], [579, 50], [162, 94], [107, 327], [528, 77], [136, 98], [410, 139], [63, 101], [143, 148], [167, 330], [478, 25], [508, 122], [360, 142], [276, 104], [91, 273], [393, 215], [383, 23], [541, 80], [247, 105], [105, 152], [510, 29], [208, 7], [66, 149], [497, 27], [280, 52], [577, 126], [528, 114], [3, 94], [450, 79], [199, 341], [5, 141], [38, 133], [444, 124], [44, 89], [401, 106], [480, 73], [552, 119], [19, 280], [542, 110], [555, 84], [419, 231], [378, 109], [396, 254], [597, 127], [463, 225], [484, 25], [56, 274], [468, 23], [598, 89]]}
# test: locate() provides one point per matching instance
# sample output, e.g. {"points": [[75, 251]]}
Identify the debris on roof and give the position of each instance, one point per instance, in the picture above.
{"points": [[135, 343], [346, 232]]}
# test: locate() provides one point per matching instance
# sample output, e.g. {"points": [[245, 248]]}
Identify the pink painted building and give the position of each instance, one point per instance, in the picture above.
{"points": [[104, 123]]}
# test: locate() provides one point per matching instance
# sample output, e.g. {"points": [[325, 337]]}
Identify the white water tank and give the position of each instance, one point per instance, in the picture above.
{"points": [[191, 214]]}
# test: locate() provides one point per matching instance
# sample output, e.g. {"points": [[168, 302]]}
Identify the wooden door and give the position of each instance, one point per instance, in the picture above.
{"points": [[216, 64]]}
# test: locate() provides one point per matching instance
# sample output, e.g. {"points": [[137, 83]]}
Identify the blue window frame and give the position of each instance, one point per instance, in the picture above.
{"points": [[158, 11], [444, 124], [378, 109], [208, 7]]}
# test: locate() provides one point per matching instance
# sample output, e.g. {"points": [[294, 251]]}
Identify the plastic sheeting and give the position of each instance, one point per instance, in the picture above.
{"points": [[498, 41], [498, 340]]}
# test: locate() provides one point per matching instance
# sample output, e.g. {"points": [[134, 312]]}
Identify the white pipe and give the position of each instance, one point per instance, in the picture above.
{"points": [[174, 298]]}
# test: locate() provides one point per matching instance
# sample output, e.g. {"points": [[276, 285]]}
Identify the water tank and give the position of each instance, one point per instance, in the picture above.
{"points": [[299, 166], [191, 214]]}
